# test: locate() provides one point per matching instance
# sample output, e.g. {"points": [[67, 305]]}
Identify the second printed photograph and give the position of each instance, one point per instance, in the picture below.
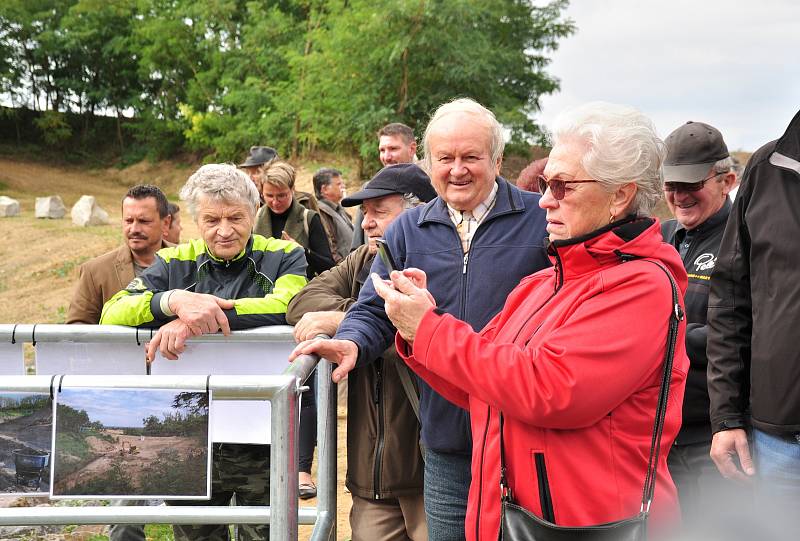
{"points": [[131, 443]]}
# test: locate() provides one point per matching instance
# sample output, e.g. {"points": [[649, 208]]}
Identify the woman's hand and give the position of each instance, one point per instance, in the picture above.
{"points": [[405, 302]]}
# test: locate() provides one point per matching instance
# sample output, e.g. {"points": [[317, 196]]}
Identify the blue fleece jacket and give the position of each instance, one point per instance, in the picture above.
{"points": [[507, 246]]}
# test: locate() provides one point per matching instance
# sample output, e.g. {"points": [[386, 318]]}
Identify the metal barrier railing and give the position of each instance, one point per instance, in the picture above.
{"points": [[283, 514]]}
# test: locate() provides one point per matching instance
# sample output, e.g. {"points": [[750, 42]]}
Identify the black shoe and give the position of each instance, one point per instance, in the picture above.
{"points": [[306, 491]]}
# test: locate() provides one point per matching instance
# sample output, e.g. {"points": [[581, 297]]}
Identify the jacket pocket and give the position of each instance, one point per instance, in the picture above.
{"points": [[545, 497]]}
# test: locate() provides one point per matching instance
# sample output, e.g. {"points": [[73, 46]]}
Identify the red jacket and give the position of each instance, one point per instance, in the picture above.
{"points": [[574, 362]]}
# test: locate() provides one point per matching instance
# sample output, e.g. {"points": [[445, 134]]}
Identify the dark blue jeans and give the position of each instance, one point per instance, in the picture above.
{"points": [[447, 477]]}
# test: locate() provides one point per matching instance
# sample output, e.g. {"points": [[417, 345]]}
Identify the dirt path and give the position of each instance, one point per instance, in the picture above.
{"points": [[145, 451]]}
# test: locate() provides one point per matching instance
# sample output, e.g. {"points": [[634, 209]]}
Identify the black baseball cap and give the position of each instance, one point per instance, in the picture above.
{"points": [[259, 156], [400, 178], [691, 151]]}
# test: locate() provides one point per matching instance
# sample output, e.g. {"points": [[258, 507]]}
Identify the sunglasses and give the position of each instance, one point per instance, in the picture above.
{"points": [[557, 187], [688, 186]]}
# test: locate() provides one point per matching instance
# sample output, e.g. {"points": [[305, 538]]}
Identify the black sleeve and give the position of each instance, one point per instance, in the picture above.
{"points": [[730, 319], [318, 252]]}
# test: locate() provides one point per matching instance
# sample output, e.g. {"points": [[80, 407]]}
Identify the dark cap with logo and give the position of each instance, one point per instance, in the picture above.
{"points": [[259, 156], [691, 151], [400, 178]]}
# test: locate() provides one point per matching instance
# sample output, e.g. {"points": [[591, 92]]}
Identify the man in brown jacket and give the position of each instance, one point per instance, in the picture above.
{"points": [[384, 463], [144, 218]]}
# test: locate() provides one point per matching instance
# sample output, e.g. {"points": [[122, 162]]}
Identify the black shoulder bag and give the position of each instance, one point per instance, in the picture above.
{"points": [[519, 524]]}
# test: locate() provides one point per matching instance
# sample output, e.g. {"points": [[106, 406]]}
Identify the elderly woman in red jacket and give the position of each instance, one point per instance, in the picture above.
{"points": [[575, 359]]}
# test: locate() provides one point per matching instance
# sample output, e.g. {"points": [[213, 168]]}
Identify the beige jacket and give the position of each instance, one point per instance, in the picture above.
{"points": [[98, 280]]}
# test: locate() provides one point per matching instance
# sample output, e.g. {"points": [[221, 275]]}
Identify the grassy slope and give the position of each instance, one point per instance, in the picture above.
{"points": [[39, 257]]}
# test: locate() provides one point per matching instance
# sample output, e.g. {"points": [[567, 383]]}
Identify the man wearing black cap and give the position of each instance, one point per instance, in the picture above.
{"points": [[384, 464], [698, 174]]}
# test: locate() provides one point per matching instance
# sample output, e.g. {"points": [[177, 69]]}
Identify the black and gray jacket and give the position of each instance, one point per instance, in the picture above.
{"points": [[753, 314]]}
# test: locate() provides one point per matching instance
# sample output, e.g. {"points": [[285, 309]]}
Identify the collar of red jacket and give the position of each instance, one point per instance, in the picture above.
{"points": [[629, 238]]}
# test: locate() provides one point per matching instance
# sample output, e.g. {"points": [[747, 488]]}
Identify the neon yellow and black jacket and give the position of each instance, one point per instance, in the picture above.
{"points": [[262, 280]]}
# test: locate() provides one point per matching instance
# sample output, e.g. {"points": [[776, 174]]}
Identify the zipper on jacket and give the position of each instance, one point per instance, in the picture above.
{"points": [[545, 498], [480, 479], [376, 473], [466, 258]]}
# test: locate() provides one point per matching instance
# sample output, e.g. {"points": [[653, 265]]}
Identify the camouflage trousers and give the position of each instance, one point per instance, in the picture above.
{"points": [[236, 470]]}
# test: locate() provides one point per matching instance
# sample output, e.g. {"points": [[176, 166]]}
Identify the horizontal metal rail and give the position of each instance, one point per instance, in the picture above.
{"points": [[39, 332], [47, 516]]}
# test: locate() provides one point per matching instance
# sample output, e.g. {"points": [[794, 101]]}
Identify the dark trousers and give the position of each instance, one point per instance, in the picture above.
{"points": [[308, 425], [237, 469], [707, 499]]}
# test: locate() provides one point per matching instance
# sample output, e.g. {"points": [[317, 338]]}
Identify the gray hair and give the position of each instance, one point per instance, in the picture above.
{"points": [[410, 201], [623, 147], [725, 165], [470, 107], [221, 182]]}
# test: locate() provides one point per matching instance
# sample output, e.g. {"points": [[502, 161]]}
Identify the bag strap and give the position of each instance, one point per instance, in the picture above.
{"points": [[676, 316], [408, 387], [411, 393], [306, 213]]}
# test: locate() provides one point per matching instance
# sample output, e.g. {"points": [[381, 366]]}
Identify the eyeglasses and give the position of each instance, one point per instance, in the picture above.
{"points": [[557, 186], [689, 186]]}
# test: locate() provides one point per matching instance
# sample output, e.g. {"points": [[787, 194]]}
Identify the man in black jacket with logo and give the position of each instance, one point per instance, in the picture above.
{"points": [[753, 320], [698, 174]]}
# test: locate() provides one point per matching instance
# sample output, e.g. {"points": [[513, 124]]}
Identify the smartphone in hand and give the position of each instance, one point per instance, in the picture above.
{"points": [[386, 255]]}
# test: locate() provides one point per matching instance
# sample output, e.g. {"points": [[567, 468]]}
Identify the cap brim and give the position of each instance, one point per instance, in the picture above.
{"points": [[370, 193], [251, 164], [687, 173]]}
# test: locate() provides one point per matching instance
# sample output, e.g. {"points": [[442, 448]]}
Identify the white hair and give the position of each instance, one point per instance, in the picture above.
{"points": [[410, 201], [482, 115], [622, 147], [221, 182], [725, 165]]}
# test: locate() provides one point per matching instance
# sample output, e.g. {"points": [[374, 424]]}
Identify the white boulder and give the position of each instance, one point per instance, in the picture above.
{"points": [[8, 206], [87, 212], [50, 207]]}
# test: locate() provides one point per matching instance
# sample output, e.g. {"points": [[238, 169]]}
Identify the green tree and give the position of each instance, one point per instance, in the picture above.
{"points": [[397, 60], [98, 39]]}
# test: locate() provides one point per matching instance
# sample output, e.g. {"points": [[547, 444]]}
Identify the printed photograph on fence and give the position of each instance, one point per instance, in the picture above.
{"points": [[26, 429], [131, 443]]}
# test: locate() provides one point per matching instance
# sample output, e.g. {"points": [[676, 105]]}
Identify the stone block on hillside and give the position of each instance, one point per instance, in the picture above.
{"points": [[50, 207], [8, 206], [87, 212]]}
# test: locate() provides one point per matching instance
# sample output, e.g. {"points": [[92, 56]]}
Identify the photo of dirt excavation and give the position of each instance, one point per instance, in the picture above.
{"points": [[136, 444], [26, 429]]}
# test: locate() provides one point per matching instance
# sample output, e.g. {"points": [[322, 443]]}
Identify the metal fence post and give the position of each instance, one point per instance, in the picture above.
{"points": [[327, 417]]}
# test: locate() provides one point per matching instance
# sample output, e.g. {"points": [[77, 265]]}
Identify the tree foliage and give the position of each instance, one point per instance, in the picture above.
{"points": [[217, 76]]}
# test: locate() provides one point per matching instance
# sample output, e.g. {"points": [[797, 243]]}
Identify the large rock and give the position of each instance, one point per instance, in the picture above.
{"points": [[50, 207], [87, 212], [8, 206]]}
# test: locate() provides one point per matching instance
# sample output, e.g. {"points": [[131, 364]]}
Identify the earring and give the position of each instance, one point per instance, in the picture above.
{"points": [[611, 219]]}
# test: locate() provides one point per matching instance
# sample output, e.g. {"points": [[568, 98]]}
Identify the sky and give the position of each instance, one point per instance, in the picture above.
{"points": [[119, 407], [733, 64]]}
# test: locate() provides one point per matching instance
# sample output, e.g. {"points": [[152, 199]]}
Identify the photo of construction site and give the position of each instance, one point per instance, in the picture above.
{"points": [[26, 426], [136, 444]]}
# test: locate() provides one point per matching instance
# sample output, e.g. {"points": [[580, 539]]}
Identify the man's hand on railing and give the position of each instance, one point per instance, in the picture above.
{"points": [[314, 323], [342, 352], [203, 313], [170, 340]]}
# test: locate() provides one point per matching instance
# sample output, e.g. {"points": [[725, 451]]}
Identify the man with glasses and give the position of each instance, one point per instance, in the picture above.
{"points": [[698, 174]]}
